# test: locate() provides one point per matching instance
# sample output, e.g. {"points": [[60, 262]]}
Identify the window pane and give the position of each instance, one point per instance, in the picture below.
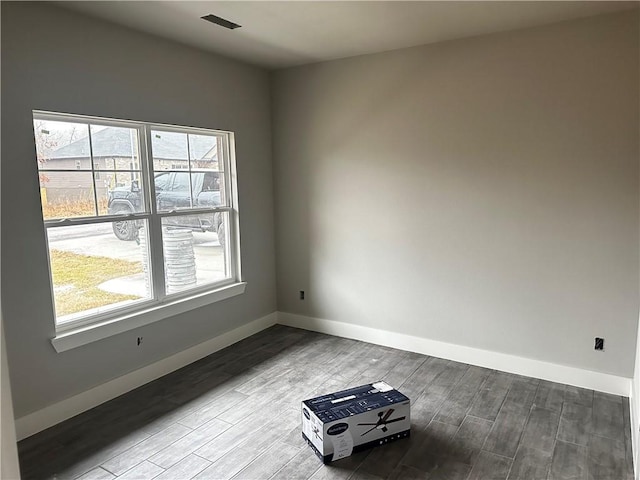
{"points": [[172, 191], [114, 148], [205, 152], [162, 181], [94, 272], [180, 182], [194, 249], [169, 150], [207, 191], [169, 196], [119, 192], [62, 145], [67, 195]]}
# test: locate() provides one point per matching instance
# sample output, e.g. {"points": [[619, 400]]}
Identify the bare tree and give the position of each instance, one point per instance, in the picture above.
{"points": [[49, 139], [46, 143]]}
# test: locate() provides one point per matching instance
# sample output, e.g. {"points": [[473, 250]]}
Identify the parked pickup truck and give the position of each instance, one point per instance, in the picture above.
{"points": [[172, 193]]}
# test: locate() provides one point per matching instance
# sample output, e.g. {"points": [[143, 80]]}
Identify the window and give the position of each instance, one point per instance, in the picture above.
{"points": [[137, 215], [180, 182]]}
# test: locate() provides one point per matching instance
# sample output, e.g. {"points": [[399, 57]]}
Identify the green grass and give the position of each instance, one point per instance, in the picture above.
{"points": [[85, 273]]}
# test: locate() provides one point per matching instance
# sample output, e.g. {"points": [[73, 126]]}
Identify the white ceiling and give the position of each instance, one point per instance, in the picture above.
{"points": [[281, 34]]}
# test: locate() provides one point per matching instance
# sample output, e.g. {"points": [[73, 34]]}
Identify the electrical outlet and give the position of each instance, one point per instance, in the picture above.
{"points": [[599, 343], [301, 294]]}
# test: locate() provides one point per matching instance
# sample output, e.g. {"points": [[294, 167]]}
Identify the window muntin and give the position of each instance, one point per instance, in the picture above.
{"points": [[183, 240]]}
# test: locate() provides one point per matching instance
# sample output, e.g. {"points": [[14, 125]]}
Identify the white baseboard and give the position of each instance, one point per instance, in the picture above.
{"points": [[634, 411], [65, 409], [601, 382]]}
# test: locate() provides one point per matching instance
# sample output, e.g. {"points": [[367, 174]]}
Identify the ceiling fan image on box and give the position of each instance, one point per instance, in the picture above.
{"points": [[383, 421]]}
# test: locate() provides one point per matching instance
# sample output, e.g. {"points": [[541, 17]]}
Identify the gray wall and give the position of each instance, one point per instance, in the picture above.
{"points": [[9, 466], [53, 59], [482, 192]]}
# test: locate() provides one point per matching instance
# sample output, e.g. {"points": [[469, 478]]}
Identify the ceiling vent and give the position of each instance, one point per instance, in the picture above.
{"points": [[220, 21]]}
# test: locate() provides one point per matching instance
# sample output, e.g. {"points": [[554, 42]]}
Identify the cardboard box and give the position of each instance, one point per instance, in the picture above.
{"points": [[339, 424]]}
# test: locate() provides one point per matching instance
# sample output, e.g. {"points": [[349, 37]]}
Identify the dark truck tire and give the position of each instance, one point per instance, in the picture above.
{"points": [[126, 229]]}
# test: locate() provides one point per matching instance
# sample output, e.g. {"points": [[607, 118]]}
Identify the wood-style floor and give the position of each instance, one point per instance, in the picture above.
{"points": [[236, 414]]}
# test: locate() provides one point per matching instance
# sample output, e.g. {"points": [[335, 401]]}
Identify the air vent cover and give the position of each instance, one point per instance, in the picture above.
{"points": [[220, 21]]}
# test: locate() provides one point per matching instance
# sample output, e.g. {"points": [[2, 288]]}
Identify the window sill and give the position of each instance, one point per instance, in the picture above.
{"points": [[91, 333]]}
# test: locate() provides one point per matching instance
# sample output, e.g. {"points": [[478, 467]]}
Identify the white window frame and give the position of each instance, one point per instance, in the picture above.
{"points": [[87, 328]]}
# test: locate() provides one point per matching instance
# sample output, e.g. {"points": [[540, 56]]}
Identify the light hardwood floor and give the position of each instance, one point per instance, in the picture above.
{"points": [[236, 414]]}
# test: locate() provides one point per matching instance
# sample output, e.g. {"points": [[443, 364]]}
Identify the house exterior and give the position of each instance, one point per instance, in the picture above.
{"points": [[68, 175]]}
